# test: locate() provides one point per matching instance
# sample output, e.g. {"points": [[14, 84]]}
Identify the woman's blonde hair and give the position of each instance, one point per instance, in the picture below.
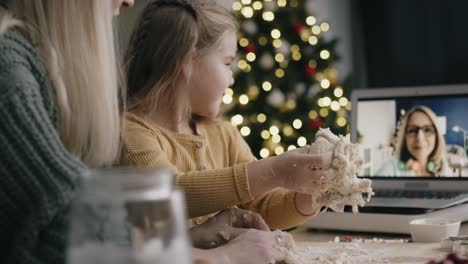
{"points": [[76, 44], [157, 60], [438, 154]]}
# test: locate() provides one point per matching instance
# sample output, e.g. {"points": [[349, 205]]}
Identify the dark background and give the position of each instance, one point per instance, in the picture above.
{"points": [[411, 42]]}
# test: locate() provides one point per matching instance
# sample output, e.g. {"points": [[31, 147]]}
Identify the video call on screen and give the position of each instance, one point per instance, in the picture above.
{"points": [[413, 136]]}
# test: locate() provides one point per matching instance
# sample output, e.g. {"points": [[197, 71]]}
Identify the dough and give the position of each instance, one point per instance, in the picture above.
{"points": [[346, 188]]}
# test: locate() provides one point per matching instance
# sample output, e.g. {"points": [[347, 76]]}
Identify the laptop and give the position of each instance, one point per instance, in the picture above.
{"points": [[403, 191], [390, 154]]}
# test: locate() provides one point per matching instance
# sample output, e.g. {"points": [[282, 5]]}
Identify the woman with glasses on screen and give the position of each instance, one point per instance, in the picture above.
{"points": [[420, 147]]}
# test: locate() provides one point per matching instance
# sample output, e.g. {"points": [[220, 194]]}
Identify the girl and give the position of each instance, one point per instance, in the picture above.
{"points": [[178, 67]]}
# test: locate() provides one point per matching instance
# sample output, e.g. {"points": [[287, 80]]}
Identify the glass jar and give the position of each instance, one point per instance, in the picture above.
{"points": [[128, 216]]}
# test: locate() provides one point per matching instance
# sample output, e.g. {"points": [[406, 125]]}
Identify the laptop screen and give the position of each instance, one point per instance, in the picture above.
{"points": [[412, 132]]}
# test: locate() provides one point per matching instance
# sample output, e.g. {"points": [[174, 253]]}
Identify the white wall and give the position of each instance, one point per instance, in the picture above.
{"points": [[376, 122]]}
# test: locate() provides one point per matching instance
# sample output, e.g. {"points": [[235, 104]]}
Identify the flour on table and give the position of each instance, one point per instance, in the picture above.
{"points": [[346, 188], [344, 253], [363, 253]]}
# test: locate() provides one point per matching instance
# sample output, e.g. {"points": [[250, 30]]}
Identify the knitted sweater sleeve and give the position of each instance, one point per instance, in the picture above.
{"points": [[38, 175], [206, 191]]}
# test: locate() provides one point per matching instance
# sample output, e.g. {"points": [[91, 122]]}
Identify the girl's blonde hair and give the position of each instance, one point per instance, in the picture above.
{"points": [[76, 44], [214, 21], [438, 154], [157, 60]]}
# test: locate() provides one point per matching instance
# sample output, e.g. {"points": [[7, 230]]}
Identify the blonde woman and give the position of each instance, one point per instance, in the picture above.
{"points": [[420, 148], [178, 67], [60, 114]]}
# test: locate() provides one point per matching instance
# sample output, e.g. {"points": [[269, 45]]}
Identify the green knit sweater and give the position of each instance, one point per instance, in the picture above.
{"points": [[37, 174]]}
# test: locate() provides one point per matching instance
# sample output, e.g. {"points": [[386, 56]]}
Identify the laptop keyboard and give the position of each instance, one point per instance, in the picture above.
{"points": [[417, 194]]}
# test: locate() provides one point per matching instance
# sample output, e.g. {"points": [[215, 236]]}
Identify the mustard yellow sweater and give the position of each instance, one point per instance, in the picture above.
{"points": [[210, 168]]}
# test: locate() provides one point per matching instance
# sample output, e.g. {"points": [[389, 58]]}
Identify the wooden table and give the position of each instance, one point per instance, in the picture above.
{"points": [[314, 246]]}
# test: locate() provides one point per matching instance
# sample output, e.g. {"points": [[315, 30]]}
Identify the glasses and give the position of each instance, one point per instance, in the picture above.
{"points": [[413, 131]]}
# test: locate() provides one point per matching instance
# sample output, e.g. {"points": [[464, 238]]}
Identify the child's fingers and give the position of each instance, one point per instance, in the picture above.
{"points": [[320, 161], [319, 175], [229, 233], [249, 219]]}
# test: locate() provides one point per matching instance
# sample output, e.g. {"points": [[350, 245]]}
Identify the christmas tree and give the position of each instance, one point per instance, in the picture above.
{"points": [[286, 86]]}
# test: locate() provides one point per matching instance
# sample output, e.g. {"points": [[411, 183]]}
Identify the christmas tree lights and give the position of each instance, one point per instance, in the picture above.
{"points": [[286, 84]]}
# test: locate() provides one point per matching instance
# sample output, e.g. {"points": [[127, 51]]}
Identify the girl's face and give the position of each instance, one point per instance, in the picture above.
{"points": [[211, 75], [116, 4], [420, 136]]}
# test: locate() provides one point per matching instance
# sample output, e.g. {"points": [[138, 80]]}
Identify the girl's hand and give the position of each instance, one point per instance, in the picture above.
{"points": [[311, 204], [226, 226], [303, 172], [255, 247], [296, 170]]}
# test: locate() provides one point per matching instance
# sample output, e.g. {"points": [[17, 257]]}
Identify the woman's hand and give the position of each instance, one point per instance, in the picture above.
{"points": [[296, 170], [225, 226]]}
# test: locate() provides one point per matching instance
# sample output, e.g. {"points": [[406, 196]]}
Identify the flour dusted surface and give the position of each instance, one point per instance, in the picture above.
{"points": [[363, 253]]}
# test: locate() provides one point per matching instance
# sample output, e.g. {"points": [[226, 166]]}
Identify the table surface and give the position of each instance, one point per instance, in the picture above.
{"points": [[316, 246]]}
